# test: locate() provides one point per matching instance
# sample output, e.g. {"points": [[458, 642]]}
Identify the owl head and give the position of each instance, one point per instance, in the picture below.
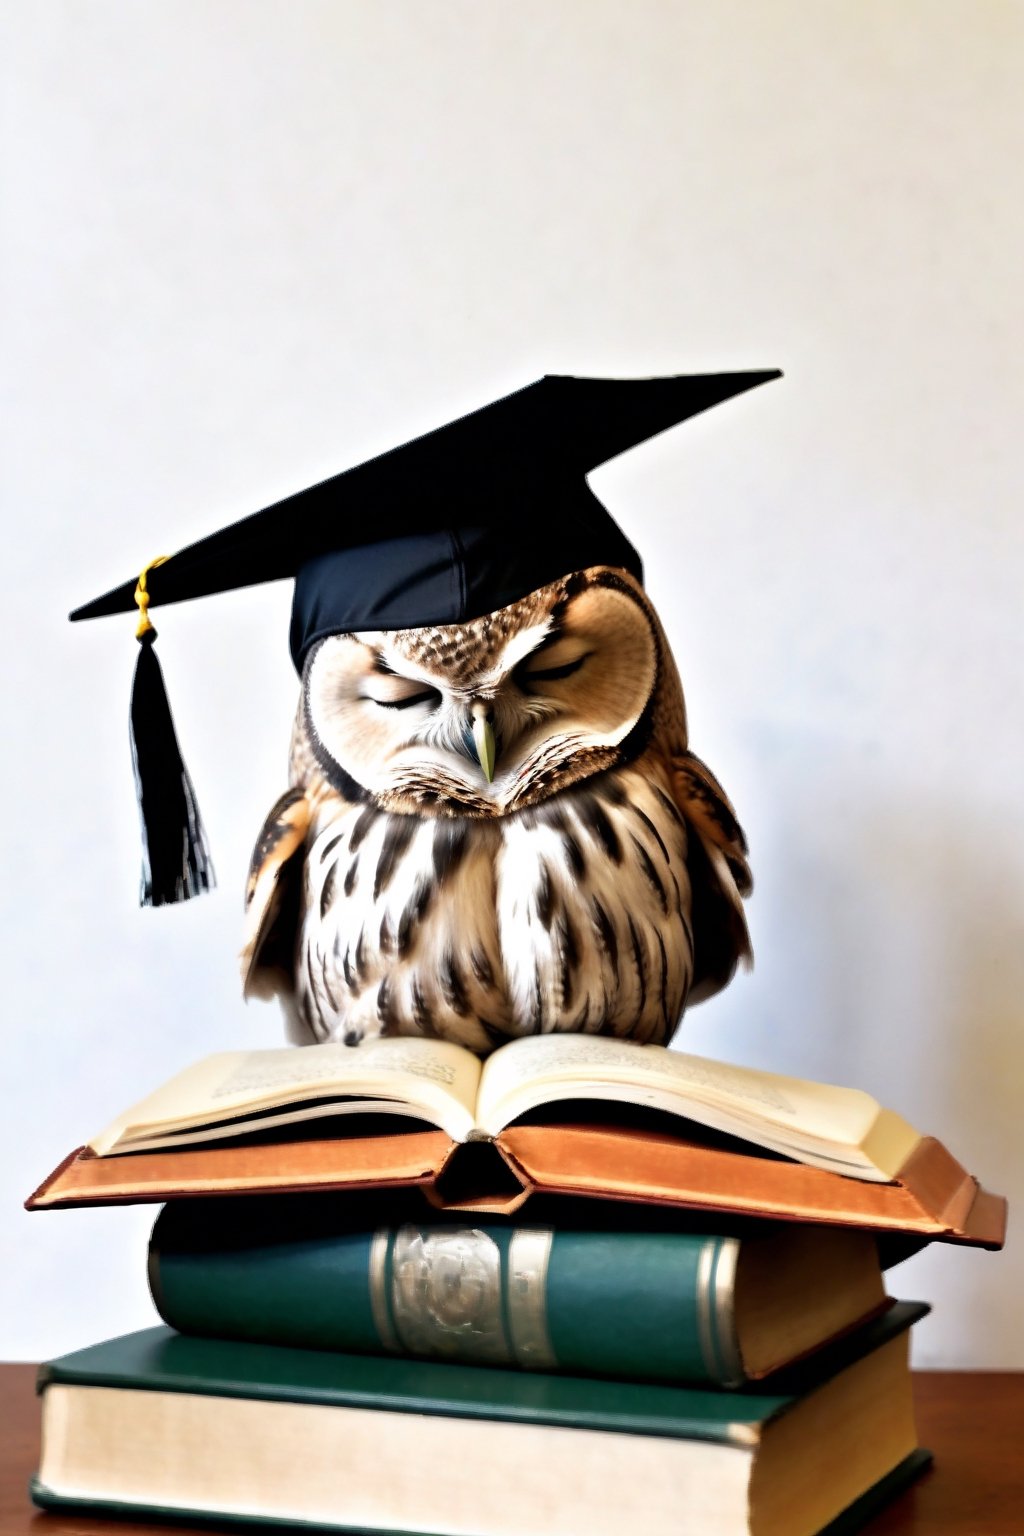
{"points": [[496, 714], [559, 679]]}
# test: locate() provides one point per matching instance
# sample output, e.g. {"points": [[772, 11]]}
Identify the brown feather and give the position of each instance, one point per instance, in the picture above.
{"points": [[272, 897], [719, 875]]}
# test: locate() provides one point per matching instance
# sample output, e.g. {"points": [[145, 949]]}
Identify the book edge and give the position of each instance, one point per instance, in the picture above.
{"points": [[880, 1495], [775, 1397], [856, 1515], [967, 1213]]}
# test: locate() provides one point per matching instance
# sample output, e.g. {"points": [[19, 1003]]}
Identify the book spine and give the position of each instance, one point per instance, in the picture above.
{"points": [[620, 1304]]}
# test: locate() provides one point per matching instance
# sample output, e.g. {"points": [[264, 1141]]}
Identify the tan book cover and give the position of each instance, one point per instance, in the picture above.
{"points": [[932, 1197]]}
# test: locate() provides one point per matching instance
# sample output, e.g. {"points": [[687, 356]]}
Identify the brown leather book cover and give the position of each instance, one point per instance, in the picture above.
{"points": [[933, 1198], [283, 1167], [933, 1195]]}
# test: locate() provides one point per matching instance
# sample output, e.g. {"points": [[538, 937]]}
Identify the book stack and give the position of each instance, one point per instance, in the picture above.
{"points": [[591, 1284]]}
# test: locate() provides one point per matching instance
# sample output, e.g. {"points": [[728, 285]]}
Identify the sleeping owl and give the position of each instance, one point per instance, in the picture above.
{"points": [[496, 829], [495, 826]]}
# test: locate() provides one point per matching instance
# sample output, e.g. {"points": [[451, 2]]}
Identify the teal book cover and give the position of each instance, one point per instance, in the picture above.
{"points": [[158, 1359], [702, 1307]]}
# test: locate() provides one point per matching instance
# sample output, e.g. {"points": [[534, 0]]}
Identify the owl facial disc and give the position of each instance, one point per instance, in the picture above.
{"points": [[490, 716]]}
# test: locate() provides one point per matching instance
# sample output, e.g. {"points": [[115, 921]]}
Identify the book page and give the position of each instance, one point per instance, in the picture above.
{"points": [[285, 1118], [432, 1076], [814, 1121]]}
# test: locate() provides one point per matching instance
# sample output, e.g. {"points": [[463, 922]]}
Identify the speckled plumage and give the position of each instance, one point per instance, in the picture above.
{"points": [[594, 886]]}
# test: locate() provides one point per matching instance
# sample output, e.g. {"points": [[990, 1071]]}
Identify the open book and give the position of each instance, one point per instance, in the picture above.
{"points": [[529, 1125], [838, 1129]]}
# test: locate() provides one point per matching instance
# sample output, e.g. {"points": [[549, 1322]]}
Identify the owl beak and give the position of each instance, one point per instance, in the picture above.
{"points": [[484, 747]]}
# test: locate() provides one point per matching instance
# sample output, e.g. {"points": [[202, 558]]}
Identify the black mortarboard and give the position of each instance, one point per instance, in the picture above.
{"points": [[445, 528]]}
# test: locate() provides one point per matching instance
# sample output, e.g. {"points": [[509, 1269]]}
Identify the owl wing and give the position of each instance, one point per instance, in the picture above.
{"points": [[272, 896], [719, 876]]}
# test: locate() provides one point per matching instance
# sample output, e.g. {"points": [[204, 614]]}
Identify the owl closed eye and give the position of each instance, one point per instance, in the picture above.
{"points": [[557, 687]]}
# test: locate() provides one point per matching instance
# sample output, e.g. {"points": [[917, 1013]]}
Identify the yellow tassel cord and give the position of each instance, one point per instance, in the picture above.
{"points": [[142, 597]]}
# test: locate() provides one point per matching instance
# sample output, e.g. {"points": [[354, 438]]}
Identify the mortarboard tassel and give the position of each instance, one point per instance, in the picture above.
{"points": [[175, 856]]}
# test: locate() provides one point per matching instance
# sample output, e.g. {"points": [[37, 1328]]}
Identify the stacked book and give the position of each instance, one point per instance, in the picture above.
{"points": [[592, 1284]]}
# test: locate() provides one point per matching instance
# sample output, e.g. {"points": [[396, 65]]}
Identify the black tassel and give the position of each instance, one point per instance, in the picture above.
{"points": [[175, 857]]}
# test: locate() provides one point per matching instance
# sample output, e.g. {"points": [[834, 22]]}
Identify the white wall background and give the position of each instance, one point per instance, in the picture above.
{"points": [[248, 244]]}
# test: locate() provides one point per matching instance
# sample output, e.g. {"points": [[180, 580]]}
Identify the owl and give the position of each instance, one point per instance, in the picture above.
{"points": [[496, 828]]}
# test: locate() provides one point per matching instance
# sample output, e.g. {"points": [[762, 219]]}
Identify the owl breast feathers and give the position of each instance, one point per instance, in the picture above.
{"points": [[497, 829]]}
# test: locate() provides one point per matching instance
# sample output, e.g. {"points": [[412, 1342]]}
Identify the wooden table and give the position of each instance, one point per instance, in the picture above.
{"points": [[972, 1420]]}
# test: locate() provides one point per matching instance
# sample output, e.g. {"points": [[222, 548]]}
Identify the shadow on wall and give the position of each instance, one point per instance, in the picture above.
{"points": [[888, 930], [974, 1077], [946, 952]]}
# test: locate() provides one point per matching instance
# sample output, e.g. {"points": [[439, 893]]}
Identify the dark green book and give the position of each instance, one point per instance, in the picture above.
{"points": [[661, 1305], [161, 1424]]}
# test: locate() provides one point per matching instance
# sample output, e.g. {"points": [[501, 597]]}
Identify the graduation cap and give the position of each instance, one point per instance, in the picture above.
{"points": [[444, 529]]}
